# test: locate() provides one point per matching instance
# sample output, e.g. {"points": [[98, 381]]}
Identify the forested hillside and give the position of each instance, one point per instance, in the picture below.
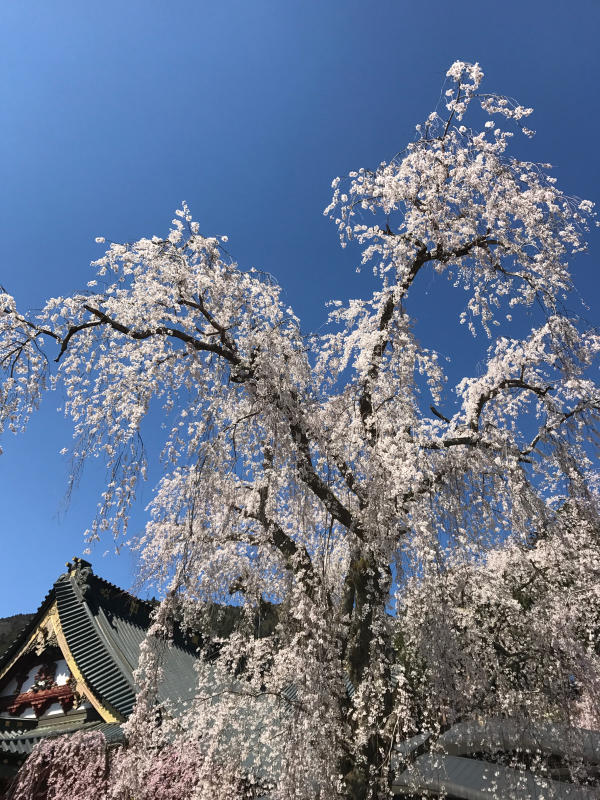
{"points": [[10, 627]]}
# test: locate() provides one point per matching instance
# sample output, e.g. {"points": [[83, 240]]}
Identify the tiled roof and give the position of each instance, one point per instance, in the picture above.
{"points": [[462, 762], [469, 779], [505, 735], [91, 651], [20, 742], [104, 627]]}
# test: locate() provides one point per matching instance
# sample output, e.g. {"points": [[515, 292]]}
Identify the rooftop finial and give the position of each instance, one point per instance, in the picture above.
{"points": [[79, 566]]}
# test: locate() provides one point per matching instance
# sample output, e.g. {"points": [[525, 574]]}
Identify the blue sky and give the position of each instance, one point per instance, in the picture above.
{"points": [[112, 113]]}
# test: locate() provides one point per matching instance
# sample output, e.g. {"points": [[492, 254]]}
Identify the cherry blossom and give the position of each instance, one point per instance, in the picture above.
{"points": [[419, 553]]}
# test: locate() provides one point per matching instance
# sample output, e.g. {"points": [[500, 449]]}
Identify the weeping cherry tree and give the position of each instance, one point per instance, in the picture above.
{"points": [[426, 553]]}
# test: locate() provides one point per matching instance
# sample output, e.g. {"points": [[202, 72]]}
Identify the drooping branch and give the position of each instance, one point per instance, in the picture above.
{"points": [[228, 351], [165, 330], [350, 479], [508, 383], [71, 332], [393, 301], [580, 408]]}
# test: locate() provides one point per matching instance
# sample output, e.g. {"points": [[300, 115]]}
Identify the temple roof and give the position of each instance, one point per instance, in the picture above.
{"points": [[103, 627], [21, 741]]}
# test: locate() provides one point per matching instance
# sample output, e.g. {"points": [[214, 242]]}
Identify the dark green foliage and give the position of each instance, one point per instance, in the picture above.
{"points": [[10, 627]]}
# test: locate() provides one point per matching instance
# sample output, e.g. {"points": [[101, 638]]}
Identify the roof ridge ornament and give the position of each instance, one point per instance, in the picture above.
{"points": [[80, 571]]}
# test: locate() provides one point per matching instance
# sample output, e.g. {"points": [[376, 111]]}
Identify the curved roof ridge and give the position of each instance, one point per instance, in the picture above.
{"points": [[90, 649]]}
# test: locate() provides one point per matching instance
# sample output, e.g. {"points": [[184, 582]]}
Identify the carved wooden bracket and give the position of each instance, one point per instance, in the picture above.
{"points": [[39, 700]]}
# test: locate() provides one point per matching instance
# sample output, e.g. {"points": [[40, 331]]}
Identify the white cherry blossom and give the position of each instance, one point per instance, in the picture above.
{"points": [[420, 553]]}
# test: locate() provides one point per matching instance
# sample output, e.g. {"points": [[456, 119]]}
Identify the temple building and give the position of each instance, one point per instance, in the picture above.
{"points": [[71, 667]]}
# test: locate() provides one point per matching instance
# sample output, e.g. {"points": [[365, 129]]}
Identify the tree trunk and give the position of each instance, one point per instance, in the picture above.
{"points": [[367, 592]]}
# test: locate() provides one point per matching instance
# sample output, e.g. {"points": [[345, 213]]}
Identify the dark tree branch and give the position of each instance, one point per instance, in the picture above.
{"points": [[365, 402], [221, 330], [508, 383], [71, 332], [547, 429], [350, 480], [38, 329], [438, 414], [393, 300], [313, 480], [164, 330], [296, 558]]}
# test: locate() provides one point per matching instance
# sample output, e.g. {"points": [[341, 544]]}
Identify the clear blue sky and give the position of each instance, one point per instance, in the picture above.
{"points": [[113, 112]]}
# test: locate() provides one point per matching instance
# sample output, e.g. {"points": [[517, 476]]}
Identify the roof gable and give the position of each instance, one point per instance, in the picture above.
{"points": [[99, 628]]}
